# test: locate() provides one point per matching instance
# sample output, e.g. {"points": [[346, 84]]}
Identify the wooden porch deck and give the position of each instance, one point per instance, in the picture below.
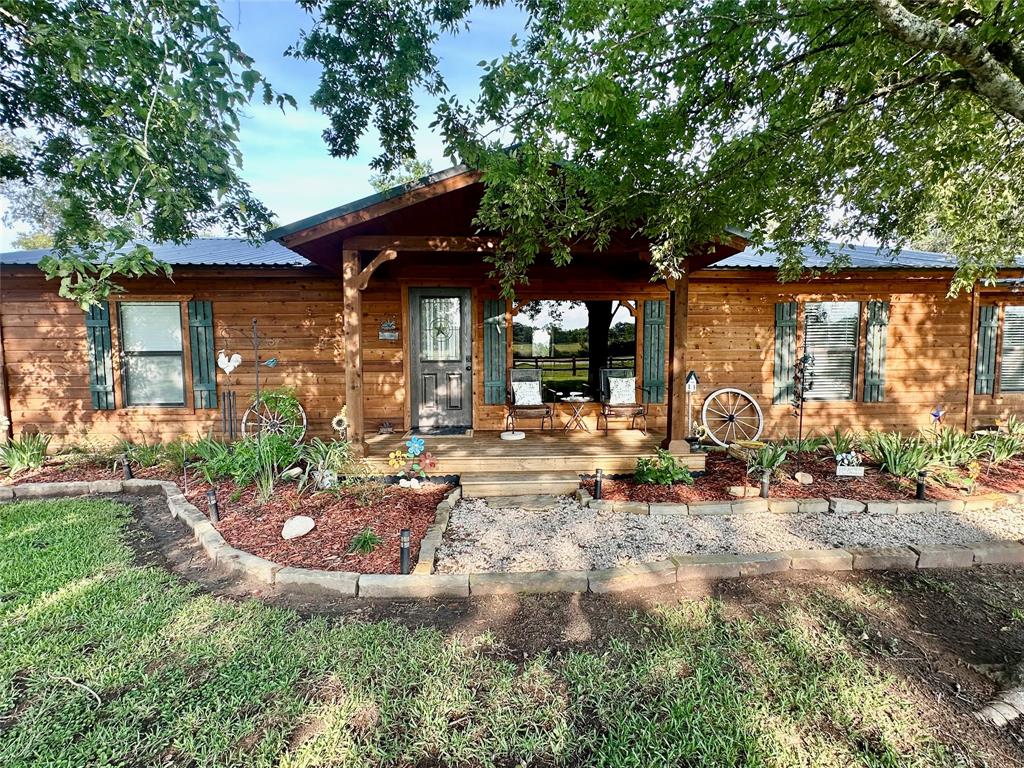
{"points": [[554, 451]]}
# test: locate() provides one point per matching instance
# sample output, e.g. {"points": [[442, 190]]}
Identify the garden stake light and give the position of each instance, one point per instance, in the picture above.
{"points": [[211, 500], [598, 479], [920, 486], [126, 466], [403, 539]]}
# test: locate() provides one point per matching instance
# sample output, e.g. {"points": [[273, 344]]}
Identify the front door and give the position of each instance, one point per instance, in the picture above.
{"points": [[441, 346]]}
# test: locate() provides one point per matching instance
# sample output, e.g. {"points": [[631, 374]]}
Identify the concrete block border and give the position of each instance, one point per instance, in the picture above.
{"points": [[833, 505], [675, 569]]}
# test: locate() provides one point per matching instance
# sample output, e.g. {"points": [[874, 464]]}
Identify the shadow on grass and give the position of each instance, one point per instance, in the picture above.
{"points": [[760, 672]]}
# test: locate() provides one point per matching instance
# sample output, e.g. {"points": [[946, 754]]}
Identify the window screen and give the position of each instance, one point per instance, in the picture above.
{"points": [[152, 352], [831, 329], [1011, 367]]}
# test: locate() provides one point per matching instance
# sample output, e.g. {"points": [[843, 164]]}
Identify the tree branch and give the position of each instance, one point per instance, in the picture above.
{"points": [[991, 79]]}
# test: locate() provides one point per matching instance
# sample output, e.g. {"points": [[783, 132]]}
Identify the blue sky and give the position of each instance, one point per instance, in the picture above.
{"points": [[285, 158]]}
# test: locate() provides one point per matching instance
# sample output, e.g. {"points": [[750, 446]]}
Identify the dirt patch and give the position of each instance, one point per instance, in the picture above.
{"points": [[724, 471]]}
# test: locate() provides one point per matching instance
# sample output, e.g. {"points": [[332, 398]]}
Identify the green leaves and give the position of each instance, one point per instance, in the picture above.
{"points": [[800, 122], [131, 112]]}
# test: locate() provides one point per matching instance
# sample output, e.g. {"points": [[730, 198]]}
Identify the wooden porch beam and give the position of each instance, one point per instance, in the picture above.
{"points": [[363, 278], [353, 326], [444, 243], [676, 433]]}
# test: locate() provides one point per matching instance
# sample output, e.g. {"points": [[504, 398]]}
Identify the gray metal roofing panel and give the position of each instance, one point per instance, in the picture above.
{"points": [[201, 252], [860, 257]]}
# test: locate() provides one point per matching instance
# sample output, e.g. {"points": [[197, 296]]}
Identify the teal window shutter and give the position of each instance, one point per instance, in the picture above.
{"points": [[874, 351], [494, 352], [785, 352], [985, 367], [654, 351], [204, 363], [101, 365]]}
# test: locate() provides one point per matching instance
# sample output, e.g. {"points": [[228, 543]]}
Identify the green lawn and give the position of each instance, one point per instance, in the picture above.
{"points": [[184, 678]]}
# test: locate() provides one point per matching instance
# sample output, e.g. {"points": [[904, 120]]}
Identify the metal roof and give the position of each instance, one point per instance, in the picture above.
{"points": [[201, 252], [860, 257], [365, 202]]}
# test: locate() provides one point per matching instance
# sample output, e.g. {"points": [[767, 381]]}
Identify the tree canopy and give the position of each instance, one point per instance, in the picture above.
{"points": [[410, 170], [126, 114], [800, 121]]}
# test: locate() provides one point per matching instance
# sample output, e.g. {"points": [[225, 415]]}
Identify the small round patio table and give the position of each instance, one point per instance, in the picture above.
{"points": [[576, 419]]}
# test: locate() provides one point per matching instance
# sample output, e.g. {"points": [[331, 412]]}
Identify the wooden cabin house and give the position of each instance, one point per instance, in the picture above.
{"points": [[344, 303]]}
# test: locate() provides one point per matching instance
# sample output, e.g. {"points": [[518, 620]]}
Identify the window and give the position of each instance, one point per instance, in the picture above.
{"points": [[153, 362], [440, 328], [831, 329], [1011, 366]]}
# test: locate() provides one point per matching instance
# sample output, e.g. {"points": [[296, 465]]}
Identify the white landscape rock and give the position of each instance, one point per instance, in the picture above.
{"points": [[297, 526], [803, 478], [567, 536]]}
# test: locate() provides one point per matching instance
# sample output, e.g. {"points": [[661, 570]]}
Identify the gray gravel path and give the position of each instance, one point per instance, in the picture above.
{"points": [[567, 536]]}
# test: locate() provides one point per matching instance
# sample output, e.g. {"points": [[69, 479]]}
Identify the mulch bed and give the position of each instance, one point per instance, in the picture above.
{"points": [[256, 528], [724, 471]]}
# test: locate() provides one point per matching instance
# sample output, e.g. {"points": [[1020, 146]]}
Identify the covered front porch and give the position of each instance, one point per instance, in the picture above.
{"points": [[483, 451]]}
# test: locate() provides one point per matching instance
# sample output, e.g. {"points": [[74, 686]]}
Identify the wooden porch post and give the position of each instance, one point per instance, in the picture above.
{"points": [[353, 324], [675, 438]]}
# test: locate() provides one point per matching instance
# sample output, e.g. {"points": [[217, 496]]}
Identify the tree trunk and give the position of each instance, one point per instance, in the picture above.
{"points": [[599, 322]]}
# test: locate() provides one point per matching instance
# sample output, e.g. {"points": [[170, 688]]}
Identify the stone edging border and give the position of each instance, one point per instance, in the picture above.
{"points": [[791, 506], [423, 584]]}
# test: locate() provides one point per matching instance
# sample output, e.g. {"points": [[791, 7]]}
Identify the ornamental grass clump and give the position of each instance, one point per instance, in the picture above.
{"points": [[661, 469], [899, 455], [764, 461], [24, 453]]}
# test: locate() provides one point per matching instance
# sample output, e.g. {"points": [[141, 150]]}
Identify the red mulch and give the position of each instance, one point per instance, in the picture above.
{"points": [[257, 528], [723, 471], [339, 518]]}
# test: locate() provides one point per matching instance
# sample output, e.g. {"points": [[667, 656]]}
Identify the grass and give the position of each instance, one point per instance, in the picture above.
{"points": [[185, 678]]}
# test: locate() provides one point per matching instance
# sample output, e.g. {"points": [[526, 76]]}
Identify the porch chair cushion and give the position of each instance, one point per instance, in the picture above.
{"points": [[527, 393], [622, 391]]}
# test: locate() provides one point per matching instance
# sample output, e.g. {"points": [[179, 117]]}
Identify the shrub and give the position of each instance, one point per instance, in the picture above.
{"points": [[24, 453], [365, 542], [213, 459], [766, 460], [140, 455], [952, 447], [661, 469], [811, 444], [898, 455], [285, 404], [1001, 448], [258, 457], [842, 441], [326, 461]]}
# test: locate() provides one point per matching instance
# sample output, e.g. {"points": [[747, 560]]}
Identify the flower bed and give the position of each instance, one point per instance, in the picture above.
{"points": [[724, 471], [256, 528]]}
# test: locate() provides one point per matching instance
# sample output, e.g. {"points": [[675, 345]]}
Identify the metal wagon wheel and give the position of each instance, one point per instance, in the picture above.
{"points": [[731, 414], [271, 415]]}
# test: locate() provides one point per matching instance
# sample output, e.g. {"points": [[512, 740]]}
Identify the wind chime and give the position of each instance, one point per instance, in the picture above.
{"points": [[229, 407], [803, 382]]}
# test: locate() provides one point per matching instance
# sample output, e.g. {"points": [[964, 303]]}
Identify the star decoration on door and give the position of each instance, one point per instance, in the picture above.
{"points": [[443, 328]]}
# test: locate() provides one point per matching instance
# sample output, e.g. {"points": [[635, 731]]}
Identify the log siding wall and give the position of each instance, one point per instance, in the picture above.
{"points": [[46, 358], [731, 335]]}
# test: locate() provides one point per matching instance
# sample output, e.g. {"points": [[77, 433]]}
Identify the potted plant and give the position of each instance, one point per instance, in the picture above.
{"points": [[765, 460]]}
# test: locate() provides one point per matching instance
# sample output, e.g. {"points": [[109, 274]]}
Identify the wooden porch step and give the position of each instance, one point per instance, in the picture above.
{"points": [[480, 485]]}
